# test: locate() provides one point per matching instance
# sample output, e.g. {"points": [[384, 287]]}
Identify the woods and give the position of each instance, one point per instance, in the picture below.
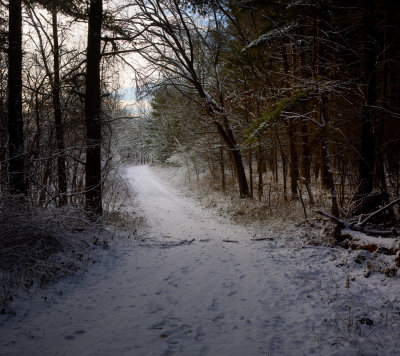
{"points": [[304, 93], [49, 150], [214, 177], [298, 100]]}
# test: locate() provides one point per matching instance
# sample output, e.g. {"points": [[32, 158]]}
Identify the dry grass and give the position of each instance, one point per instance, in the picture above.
{"points": [[40, 245], [273, 215]]}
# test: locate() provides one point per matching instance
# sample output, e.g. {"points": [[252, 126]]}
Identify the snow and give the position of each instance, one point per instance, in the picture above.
{"points": [[270, 36], [389, 243], [164, 294]]}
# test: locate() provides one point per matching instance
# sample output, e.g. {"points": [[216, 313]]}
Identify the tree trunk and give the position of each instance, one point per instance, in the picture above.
{"points": [[240, 173], [251, 172], [325, 175], [306, 160], [3, 143], [326, 154], [293, 158], [16, 165], [323, 164], [276, 177], [93, 191], [284, 164], [259, 158], [284, 172], [385, 99], [366, 168], [226, 134], [61, 169], [222, 166]]}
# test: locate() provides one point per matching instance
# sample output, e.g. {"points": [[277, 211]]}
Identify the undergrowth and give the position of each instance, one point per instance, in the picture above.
{"points": [[292, 220], [273, 215], [40, 245]]}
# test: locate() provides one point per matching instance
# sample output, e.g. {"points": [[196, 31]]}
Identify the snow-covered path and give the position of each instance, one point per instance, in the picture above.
{"points": [[212, 296]]}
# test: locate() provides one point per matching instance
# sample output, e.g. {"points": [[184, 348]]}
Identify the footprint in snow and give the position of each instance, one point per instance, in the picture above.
{"points": [[158, 326], [214, 305], [72, 337], [218, 318], [185, 270]]}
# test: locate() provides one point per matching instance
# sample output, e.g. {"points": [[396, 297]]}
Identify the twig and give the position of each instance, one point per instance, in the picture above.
{"points": [[359, 227], [138, 237], [334, 218], [368, 218]]}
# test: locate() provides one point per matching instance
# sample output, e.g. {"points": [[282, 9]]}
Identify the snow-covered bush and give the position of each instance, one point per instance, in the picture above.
{"points": [[38, 245]]}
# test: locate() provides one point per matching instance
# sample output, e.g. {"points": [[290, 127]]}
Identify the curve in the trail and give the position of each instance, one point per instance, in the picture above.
{"points": [[168, 296]]}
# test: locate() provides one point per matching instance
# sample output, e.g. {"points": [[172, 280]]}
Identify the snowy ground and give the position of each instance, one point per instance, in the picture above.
{"points": [[195, 284]]}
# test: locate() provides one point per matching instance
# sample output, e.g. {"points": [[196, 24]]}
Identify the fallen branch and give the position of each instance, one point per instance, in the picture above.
{"points": [[262, 239], [175, 244], [186, 242], [359, 227], [368, 218]]}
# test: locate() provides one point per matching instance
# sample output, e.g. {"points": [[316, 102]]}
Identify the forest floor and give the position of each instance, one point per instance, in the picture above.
{"points": [[196, 283]]}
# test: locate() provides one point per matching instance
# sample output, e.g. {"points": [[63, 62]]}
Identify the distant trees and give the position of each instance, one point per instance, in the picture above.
{"points": [[294, 98], [306, 88], [187, 52]]}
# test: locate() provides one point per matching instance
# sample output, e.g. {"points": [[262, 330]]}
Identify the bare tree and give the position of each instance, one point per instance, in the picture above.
{"points": [[55, 84], [174, 41], [16, 165], [61, 168]]}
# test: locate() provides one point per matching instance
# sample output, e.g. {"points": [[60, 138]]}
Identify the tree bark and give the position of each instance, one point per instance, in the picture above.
{"points": [[293, 158], [259, 158], [93, 193], [238, 167], [222, 166], [236, 157], [3, 140], [385, 98], [306, 160], [251, 172], [61, 168], [366, 168], [284, 164], [16, 165], [326, 154]]}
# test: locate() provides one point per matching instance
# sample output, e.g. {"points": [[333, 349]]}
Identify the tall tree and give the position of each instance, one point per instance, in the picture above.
{"points": [[3, 97], [93, 187], [369, 77], [16, 166], [174, 42], [61, 169]]}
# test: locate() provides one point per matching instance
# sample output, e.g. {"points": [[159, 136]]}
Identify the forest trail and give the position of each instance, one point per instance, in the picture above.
{"points": [[195, 285]]}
